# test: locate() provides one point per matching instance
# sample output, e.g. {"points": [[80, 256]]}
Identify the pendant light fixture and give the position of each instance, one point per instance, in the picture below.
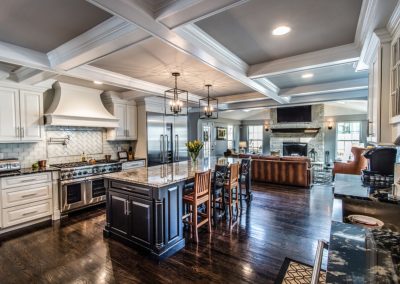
{"points": [[176, 100], [208, 107]]}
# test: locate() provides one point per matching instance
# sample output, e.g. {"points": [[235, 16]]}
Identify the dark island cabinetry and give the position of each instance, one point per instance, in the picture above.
{"points": [[145, 217]]}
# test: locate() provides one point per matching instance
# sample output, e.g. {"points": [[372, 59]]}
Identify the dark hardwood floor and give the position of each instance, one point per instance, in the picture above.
{"points": [[280, 222]]}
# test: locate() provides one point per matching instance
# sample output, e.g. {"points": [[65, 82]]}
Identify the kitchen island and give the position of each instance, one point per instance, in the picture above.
{"points": [[144, 205], [360, 254]]}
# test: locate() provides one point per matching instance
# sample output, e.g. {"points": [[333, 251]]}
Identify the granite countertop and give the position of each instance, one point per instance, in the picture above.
{"points": [[28, 171], [351, 186], [360, 255], [163, 175]]}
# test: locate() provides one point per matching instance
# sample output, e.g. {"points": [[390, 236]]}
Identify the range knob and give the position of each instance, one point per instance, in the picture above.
{"points": [[69, 175], [63, 176], [80, 173], [74, 174], [85, 172], [103, 170]]}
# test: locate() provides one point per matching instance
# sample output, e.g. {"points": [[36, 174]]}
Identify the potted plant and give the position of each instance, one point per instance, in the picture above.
{"points": [[194, 147]]}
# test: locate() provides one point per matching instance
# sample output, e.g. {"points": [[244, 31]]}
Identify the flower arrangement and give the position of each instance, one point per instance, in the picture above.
{"points": [[194, 147]]}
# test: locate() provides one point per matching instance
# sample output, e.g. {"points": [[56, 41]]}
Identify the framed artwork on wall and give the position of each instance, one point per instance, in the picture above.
{"points": [[221, 133]]}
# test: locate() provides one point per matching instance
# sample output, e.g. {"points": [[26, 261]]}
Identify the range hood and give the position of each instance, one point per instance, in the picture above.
{"points": [[78, 106]]}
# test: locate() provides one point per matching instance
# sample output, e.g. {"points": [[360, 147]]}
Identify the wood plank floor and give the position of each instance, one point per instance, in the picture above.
{"points": [[280, 222]]}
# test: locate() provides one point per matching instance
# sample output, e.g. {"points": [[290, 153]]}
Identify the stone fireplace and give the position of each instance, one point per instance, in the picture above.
{"points": [[313, 141]]}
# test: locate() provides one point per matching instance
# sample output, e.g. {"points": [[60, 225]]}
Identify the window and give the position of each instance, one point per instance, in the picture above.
{"points": [[255, 134], [230, 137], [348, 134]]}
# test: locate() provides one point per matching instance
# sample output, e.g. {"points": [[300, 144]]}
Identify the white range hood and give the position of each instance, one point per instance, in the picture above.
{"points": [[78, 106]]}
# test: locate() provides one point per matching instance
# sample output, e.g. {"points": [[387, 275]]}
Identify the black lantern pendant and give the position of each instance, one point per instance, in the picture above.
{"points": [[176, 100], [208, 107]]}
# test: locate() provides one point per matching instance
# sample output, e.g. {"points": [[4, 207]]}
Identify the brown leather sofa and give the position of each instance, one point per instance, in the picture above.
{"points": [[294, 171], [353, 167]]}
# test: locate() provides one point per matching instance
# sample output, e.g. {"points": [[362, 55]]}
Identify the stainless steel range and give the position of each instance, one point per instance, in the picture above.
{"points": [[82, 184]]}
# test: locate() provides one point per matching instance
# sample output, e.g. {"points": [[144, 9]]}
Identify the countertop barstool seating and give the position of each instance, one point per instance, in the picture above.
{"points": [[245, 179], [200, 195], [218, 192], [232, 190]]}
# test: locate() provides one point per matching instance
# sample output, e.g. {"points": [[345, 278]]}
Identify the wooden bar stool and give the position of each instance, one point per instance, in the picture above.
{"points": [[232, 189], [200, 195]]}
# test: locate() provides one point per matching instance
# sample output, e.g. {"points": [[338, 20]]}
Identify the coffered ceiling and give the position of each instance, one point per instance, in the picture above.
{"points": [[43, 25], [154, 61], [246, 30], [135, 45]]}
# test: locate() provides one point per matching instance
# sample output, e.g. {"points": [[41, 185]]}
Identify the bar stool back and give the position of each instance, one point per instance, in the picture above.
{"points": [[200, 195], [218, 183], [232, 188]]}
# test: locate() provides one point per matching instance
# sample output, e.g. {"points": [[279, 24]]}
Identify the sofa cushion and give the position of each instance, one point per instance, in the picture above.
{"points": [[297, 158], [269, 158]]}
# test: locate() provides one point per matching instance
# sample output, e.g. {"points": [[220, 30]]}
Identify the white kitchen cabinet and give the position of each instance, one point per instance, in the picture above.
{"points": [[21, 112], [25, 198], [9, 114], [126, 112]]}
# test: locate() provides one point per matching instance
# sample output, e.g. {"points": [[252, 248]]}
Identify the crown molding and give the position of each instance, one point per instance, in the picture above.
{"points": [[31, 76], [365, 21], [393, 25], [105, 38]]}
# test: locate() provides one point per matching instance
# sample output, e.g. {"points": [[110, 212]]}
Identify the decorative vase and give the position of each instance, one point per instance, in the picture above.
{"points": [[193, 156]]}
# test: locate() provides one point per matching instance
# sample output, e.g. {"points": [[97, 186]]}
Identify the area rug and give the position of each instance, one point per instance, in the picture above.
{"points": [[296, 272]]}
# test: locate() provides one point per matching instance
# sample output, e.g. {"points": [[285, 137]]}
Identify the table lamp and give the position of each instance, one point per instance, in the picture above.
{"points": [[242, 146]]}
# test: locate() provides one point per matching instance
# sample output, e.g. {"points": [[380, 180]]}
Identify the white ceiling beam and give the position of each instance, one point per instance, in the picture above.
{"points": [[321, 58], [22, 56], [334, 87], [393, 25], [181, 12], [302, 100], [92, 73], [133, 12], [254, 96], [30, 76], [105, 38]]}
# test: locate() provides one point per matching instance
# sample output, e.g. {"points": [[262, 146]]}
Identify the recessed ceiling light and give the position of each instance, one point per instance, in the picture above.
{"points": [[281, 30], [98, 82], [307, 75]]}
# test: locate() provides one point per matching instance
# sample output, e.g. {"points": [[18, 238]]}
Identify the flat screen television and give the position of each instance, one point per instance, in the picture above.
{"points": [[294, 114]]}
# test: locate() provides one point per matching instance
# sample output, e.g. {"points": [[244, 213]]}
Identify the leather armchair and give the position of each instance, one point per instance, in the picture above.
{"points": [[353, 167]]}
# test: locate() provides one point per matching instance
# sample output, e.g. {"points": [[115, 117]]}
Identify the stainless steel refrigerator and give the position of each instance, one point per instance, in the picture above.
{"points": [[166, 138]]}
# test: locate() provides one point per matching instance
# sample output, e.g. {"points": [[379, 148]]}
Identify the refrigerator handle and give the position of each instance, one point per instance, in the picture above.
{"points": [[166, 148], [177, 147], [162, 148]]}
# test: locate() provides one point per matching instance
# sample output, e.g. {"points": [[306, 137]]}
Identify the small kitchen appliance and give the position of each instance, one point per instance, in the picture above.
{"points": [[9, 165]]}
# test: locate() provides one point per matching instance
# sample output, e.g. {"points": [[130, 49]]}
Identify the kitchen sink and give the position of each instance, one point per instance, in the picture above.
{"points": [[386, 212]]}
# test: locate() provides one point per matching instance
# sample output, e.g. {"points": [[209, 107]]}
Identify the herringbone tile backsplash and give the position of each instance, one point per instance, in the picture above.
{"points": [[92, 141]]}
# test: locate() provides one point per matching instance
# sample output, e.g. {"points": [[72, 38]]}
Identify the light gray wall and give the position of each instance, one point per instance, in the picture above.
{"points": [[244, 134], [330, 135], [220, 146]]}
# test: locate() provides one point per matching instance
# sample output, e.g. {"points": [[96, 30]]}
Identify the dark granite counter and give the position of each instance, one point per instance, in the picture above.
{"points": [[351, 186], [358, 254], [28, 171]]}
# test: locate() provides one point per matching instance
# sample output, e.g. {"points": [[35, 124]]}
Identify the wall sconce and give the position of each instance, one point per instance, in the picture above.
{"points": [[330, 125], [266, 126]]}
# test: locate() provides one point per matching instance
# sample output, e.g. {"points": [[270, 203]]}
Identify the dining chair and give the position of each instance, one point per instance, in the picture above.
{"points": [[200, 195], [218, 191], [245, 180], [232, 190]]}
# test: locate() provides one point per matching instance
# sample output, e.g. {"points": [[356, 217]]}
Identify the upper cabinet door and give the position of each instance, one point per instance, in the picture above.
{"points": [[9, 115], [31, 115], [120, 113], [131, 122]]}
